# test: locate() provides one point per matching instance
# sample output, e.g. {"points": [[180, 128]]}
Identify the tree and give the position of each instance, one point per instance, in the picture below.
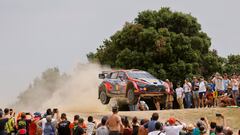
{"points": [[165, 43], [232, 64]]}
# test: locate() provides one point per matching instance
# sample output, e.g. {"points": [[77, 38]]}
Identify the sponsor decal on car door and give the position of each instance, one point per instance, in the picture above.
{"points": [[122, 82]]}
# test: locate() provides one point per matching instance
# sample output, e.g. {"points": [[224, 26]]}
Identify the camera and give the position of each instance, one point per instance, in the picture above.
{"points": [[218, 114]]}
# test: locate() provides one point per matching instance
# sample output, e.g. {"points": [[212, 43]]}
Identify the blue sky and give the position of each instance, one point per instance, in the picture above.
{"points": [[36, 35]]}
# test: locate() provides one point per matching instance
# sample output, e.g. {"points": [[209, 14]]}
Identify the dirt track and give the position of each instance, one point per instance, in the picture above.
{"points": [[187, 115]]}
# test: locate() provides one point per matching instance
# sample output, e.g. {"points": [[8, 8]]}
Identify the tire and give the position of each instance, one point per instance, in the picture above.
{"points": [[103, 97], [132, 98]]}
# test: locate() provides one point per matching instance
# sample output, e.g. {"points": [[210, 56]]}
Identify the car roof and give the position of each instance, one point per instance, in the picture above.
{"points": [[127, 70]]}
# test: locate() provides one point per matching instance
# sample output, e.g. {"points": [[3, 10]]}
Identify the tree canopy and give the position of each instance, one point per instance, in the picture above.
{"points": [[165, 43]]}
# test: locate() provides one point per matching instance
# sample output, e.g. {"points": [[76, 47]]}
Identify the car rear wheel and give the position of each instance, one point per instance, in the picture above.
{"points": [[132, 98], [104, 98]]}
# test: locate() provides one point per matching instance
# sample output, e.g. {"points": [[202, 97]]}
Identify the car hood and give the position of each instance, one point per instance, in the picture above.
{"points": [[151, 81]]}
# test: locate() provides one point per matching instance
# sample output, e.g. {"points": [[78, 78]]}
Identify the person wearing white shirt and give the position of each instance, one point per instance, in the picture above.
{"points": [[187, 87], [171, 128], [180, 95], [219, 85], [202, 91]]}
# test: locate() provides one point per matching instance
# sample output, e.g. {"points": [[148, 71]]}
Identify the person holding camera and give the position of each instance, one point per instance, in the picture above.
{"points": [[173, 126]]}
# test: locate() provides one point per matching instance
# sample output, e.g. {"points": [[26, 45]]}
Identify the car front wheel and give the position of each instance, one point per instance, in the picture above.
{"points": [[132, 98], [104, 98]]}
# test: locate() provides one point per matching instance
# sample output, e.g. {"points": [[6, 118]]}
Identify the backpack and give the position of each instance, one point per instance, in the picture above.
{"points": [[22, 124], [49, 129], [9, 126]]}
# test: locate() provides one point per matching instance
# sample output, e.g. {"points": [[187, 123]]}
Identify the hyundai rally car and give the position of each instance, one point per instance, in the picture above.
{"points": [[131, 84]]}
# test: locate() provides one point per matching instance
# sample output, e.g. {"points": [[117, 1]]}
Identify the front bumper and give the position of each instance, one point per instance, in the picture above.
{"points": [[150, 91], [151, 95]]}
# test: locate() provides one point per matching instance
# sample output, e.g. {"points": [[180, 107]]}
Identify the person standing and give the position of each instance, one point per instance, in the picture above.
{"points": [[64, 125], [49, 128], [235, 87], [142, 130], [78, 130], [226, 82], [158, 129], [180, 95], [171, 127], [3, 121], [91, 126], [127, 130], [22, 124], [74, 124], [195, 88], [151, 124], [33, 128], [202, 91], [42, 122], [114, 122], [102, 130], [218, 81], [9, 127], [209, 101], [135, 125], [169, 100], [187, 87]]}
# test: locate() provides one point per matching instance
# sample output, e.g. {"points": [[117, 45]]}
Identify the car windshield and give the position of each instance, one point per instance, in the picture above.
{"points": [[140, 74]]}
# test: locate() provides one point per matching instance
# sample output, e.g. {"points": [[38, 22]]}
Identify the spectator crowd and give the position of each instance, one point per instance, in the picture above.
{"points": [[195, 93], [52, 123], [198, 92]]}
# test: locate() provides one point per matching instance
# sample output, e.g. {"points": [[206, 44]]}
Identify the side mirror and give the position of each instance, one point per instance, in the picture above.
{"points": [[101, 76]]}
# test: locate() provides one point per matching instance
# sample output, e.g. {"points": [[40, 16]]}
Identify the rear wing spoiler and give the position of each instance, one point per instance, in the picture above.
{"points": [[104, 74]]}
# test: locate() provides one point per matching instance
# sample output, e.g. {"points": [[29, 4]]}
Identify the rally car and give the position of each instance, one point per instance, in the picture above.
{"points": [[130, 84]]}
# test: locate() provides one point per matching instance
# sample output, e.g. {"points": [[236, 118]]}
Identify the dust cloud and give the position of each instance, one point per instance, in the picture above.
{"points": [[77, 93]]}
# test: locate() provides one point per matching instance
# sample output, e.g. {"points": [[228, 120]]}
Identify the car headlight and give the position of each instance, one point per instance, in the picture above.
{"points": [[141, 86]]}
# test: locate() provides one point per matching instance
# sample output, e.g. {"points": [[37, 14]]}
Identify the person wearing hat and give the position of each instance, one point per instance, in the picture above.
{"points": [[142, 106], [33, 127], [173, 126], [190, 128], [114, 122]]}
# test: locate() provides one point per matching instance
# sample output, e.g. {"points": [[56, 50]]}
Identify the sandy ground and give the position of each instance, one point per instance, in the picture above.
{"points": [[232, 115]]}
